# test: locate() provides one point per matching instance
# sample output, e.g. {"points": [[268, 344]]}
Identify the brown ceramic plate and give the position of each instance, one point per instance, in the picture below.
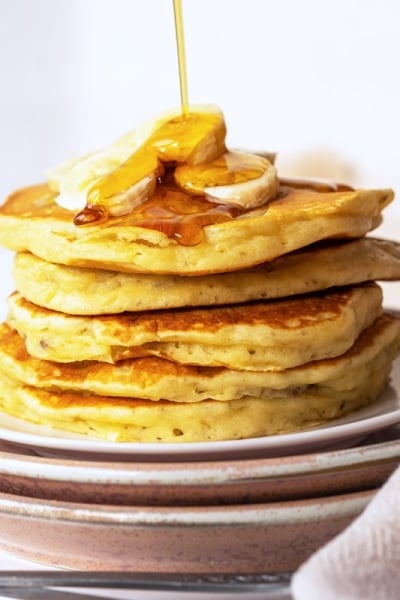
{"points": [[257, 480], [247, 538]]}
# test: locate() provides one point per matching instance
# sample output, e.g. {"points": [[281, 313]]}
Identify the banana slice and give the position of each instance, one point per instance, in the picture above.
{"points": [[74, 178], [237, 178], [128, 185], [193, 138]]}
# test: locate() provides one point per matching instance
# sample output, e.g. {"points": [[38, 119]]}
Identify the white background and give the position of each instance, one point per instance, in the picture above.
{"points": [[318, 81]]}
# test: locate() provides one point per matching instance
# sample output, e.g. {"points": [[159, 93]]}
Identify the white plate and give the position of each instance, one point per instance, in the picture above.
{"points": [[340, 433]]}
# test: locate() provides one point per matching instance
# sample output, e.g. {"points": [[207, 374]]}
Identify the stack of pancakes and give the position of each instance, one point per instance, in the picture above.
{"points": [[271, 323]]}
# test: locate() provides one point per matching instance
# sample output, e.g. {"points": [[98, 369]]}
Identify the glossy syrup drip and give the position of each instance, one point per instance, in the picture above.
{"points": [[91, 215], [179, 215]]}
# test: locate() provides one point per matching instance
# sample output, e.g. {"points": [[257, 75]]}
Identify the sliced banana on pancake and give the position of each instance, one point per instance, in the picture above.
{"points": [[116, 180], [124, 175], [76, 183], [238, 178]]}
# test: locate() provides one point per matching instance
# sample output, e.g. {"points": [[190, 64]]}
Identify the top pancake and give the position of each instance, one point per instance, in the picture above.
{"points": [[30, 220]]}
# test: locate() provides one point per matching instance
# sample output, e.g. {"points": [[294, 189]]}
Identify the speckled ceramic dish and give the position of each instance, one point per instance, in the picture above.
{"points": [[236, 539], [200, 483]]}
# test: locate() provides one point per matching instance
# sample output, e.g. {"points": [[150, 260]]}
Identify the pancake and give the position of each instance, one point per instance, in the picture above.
{"points": [[154, 378], [30, 220], [364, 371], [87, 291], [272, 335]]}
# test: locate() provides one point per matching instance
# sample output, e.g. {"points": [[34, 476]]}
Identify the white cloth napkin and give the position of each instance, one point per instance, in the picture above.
{"points": [[363, 562]]}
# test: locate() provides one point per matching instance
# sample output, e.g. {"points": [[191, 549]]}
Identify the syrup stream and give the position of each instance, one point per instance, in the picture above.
{"points": [[180, 45]]}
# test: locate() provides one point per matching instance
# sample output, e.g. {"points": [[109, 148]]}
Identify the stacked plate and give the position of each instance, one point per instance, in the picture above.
{"points": [[251, 506]]}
